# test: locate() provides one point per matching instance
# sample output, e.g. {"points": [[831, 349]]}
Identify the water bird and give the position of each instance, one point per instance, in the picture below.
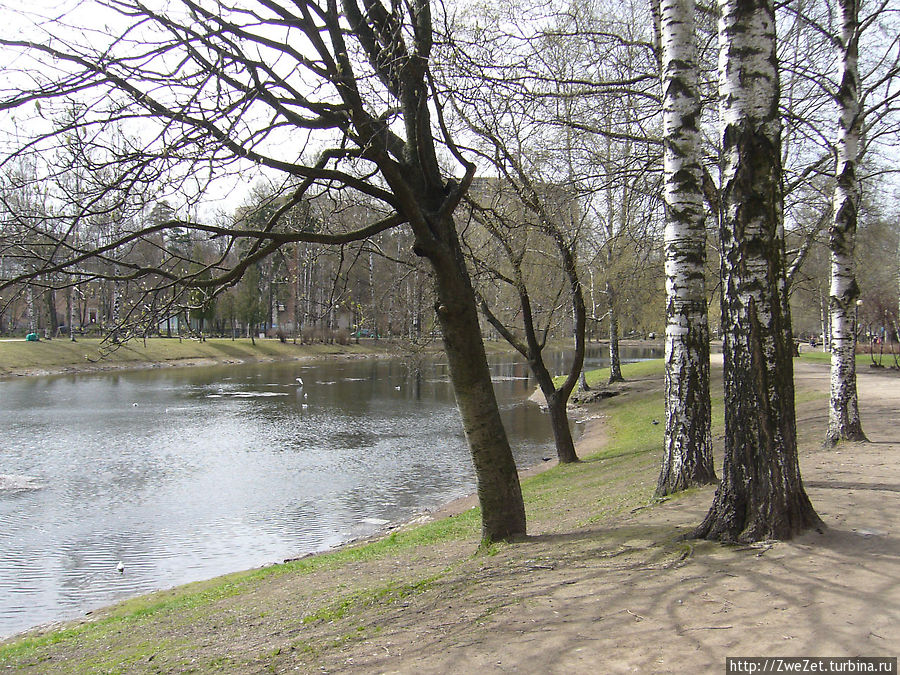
{"points": [[299, 381], [397, 387], [134, 405], [120, 568]]}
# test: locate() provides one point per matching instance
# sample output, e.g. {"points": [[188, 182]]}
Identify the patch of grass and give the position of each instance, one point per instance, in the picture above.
{"points": [[637, 427], [630, 371], [129, 615], [629, 461], [464, 526], [384, 595], [861, 359], [60, 353]]}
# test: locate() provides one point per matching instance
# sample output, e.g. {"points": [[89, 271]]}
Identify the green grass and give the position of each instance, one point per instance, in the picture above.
{"points": [[885, 359], [61, 353], [630, 371], [384, 595]]}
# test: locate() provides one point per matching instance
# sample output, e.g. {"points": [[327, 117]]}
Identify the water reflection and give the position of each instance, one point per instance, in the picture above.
{"points": [[185, 474]]}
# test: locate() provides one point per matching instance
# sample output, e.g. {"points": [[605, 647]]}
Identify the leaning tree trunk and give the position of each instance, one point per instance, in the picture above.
{"points": [[426, 199], [843, 415], [687, 460], [557, 400], [562, 434], [532, 347], [499, 492], [761, 495]]}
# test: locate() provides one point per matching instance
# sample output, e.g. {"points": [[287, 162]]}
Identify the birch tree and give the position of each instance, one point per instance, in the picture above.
{"points": [[843, 410], [761, 495], [687, 459]]}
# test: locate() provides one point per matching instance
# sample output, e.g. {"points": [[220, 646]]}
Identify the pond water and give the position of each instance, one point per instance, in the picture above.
{"points": [[185, 474]]}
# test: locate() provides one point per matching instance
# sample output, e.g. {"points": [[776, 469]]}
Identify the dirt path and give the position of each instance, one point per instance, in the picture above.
{"points": [[623, 598]]}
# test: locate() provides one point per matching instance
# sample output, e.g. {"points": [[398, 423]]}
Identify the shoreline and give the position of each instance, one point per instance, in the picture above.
{"points": [[94, 363], [109, 364]]}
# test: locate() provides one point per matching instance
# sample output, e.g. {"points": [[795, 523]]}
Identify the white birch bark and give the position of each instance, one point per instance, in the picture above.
{"points": [[373, 296], [615, 364], [72, 313], [843, 416], [687, 459], [761, 495], [29, 309]]}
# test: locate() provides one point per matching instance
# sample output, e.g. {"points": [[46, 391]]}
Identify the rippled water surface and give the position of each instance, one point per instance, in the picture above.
{"points": [[185, 474]]}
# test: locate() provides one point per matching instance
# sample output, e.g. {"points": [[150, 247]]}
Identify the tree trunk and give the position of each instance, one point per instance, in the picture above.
{"points": [[373, 295], [761, 495], [533, 347], [72, 313], [115, 306], [52, 318], [687, 459], [615, 364], [499, 492], [582, 382], [556, 399], [562, 434], [843, 416], [29, 308]]}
